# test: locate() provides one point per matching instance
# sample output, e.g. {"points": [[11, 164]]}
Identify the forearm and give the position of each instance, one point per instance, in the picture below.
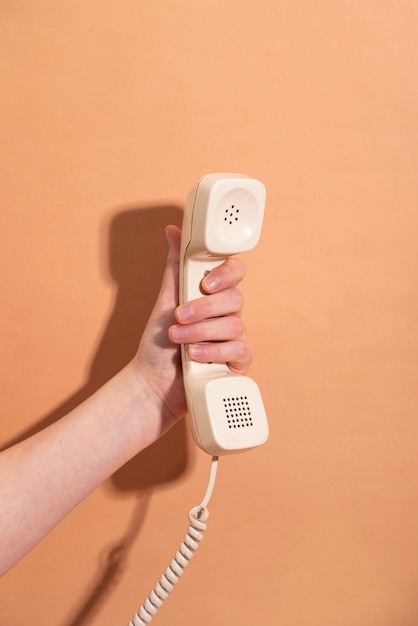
{"points": [[47, 475]]}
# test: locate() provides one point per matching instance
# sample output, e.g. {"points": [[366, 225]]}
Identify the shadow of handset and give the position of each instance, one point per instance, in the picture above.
{"points": [[135, 256]]}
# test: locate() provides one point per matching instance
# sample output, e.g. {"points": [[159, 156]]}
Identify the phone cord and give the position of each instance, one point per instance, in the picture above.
{"points": [[197, 518]]}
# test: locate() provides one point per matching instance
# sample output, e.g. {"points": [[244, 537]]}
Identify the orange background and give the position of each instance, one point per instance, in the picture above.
{"points": [[109, 112]]}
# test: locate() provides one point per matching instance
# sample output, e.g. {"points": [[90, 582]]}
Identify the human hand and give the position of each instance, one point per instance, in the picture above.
{"points": [[211, 326]]}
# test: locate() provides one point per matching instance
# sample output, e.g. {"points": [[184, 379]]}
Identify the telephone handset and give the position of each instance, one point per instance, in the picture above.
{"points": [[223, 216]]}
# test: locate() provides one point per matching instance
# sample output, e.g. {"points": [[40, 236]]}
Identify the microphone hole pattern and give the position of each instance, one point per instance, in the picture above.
{"points": [[238, 412]]}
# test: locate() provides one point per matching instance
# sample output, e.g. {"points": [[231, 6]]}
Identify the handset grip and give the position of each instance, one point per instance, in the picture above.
{"points": [[223, 216]]}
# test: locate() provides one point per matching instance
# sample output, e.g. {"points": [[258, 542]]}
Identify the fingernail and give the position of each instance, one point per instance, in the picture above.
{"points": [[195, 351], [177, 333], [184, 313], [211, 282]]}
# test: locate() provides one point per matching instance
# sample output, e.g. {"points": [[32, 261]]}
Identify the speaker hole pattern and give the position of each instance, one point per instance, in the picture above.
{"points": [[231, 214], [238, 412]]}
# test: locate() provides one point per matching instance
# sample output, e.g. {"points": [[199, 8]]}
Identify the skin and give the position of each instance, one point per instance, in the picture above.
{"points": [[45, 476]]}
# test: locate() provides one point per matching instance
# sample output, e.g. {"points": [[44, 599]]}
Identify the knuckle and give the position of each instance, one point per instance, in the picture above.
{"points": [[238, 328], [237, 267], [241, 267], [206, 307], [242, 351], [237, 299]]}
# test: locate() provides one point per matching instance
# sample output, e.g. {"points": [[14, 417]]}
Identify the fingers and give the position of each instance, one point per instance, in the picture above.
{"points": [[227, 275], [225, 302], [212, 325], [220, 340], [223, 298], [215, 329], [234, 353]]}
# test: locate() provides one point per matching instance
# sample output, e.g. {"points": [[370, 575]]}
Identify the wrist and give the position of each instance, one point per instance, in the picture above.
{"points": [[144, 414]]}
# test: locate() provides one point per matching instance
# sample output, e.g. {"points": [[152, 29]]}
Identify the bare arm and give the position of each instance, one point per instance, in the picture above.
{"points": [[48, 474]]}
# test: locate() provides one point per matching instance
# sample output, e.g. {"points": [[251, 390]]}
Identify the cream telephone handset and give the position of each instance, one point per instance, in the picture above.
{"points": [[223, 216]]}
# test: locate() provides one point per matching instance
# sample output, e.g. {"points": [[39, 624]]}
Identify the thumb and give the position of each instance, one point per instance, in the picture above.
{"points": [[170, 282], [173, 235]]}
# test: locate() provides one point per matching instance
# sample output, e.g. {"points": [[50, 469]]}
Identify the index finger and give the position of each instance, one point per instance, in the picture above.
{"points": [[229, 274]]}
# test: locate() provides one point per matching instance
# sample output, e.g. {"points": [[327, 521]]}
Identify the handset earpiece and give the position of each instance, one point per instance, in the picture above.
{"points": [[223, 216]]}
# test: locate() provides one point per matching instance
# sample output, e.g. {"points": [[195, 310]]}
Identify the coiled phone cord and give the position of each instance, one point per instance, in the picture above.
{"points": [[198, 515]]}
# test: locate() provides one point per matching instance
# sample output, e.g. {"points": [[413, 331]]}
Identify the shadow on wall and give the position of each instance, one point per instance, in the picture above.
{"points": [[137, 255], [136, 260]]}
